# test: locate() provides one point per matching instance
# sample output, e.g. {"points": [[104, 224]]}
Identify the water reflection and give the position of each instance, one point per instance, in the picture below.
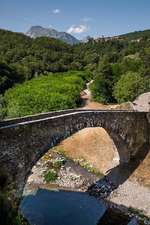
{"points": [[62, 208]]}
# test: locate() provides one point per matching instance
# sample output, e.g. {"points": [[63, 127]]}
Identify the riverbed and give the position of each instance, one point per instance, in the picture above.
{"points": [[76, 193]]}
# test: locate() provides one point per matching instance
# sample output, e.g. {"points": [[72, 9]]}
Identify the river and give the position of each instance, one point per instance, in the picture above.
{"points": [[46, 207]]}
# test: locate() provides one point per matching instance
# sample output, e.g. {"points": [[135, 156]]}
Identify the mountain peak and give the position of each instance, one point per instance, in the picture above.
{"points": [[39, 31]]}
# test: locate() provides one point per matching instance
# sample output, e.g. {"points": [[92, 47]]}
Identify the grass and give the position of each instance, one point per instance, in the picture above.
{"points": [[82, 162], [57, 163]]}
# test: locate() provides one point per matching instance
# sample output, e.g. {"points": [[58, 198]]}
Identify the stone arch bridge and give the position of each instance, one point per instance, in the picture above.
{"points": [[23, 141]]}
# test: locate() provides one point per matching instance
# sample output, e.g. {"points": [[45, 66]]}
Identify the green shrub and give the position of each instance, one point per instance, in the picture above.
{"points": [[51, 175]]}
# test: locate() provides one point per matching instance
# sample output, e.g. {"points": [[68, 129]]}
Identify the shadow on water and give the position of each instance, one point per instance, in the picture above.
{"points": [[62, 208]]}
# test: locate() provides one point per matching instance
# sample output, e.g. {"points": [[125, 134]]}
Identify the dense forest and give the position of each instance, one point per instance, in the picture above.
{"points": [[120, 68]]}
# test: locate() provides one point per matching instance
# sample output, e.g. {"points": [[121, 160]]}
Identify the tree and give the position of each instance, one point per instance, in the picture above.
{"points": [[130, 86], [2, 109], [8, 77], [103, 83]]}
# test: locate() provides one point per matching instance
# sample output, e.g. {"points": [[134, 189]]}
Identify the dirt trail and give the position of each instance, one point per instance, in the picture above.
{"points": [[88, 103]]}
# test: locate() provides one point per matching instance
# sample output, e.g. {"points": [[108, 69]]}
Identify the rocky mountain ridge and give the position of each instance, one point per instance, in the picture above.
{"points": [[39, 31]]}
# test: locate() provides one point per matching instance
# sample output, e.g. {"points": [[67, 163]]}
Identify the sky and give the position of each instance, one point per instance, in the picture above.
{"points": [[80, 18]]}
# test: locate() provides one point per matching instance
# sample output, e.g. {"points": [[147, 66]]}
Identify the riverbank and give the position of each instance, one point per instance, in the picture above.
{"points": [[71, 176], [81, 166], [132, 195]]}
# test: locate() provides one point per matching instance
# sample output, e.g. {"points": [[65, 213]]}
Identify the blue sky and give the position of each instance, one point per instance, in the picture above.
{"points": [[78, 17]]}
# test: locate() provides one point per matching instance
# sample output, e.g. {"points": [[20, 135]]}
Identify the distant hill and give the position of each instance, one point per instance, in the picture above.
{"points": [[136, 35], [132, 36], [39, 31]]}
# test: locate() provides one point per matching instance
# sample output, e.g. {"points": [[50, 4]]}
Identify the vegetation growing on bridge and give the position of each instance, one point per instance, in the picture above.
{"points": [[46, 93]]}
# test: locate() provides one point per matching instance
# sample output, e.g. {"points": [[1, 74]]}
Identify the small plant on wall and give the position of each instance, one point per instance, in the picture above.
{"points": [[50, 175]]}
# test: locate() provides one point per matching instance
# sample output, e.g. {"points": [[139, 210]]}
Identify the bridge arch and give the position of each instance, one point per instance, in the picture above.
{"points": [[23, 142], [94, 145]]}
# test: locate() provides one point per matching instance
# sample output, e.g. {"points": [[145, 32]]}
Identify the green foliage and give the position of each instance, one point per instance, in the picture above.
{"points": [[106, 60], [83, 163], [109, 71], [30, 57], [136, 35], [57, 163], [2, 108], [99, 89], [130, 86], [45, 93], [50, 176], [8, 213], [8, 77], [103, 83], [131, 63]]}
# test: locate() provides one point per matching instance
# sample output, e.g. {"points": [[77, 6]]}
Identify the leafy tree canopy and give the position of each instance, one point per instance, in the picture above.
{"points": [[130, 86]]}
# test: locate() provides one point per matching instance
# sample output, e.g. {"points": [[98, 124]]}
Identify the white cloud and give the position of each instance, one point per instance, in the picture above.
{"points": [[77, 29], [56, 11]]}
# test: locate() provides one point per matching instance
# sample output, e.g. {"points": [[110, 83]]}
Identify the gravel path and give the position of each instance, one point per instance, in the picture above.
{"points": [[131, 194]]}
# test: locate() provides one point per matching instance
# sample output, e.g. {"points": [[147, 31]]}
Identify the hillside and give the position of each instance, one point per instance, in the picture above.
{"points": [[131, 36], [22, 58], [45, 74], [120, 68], [136, 35]]}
